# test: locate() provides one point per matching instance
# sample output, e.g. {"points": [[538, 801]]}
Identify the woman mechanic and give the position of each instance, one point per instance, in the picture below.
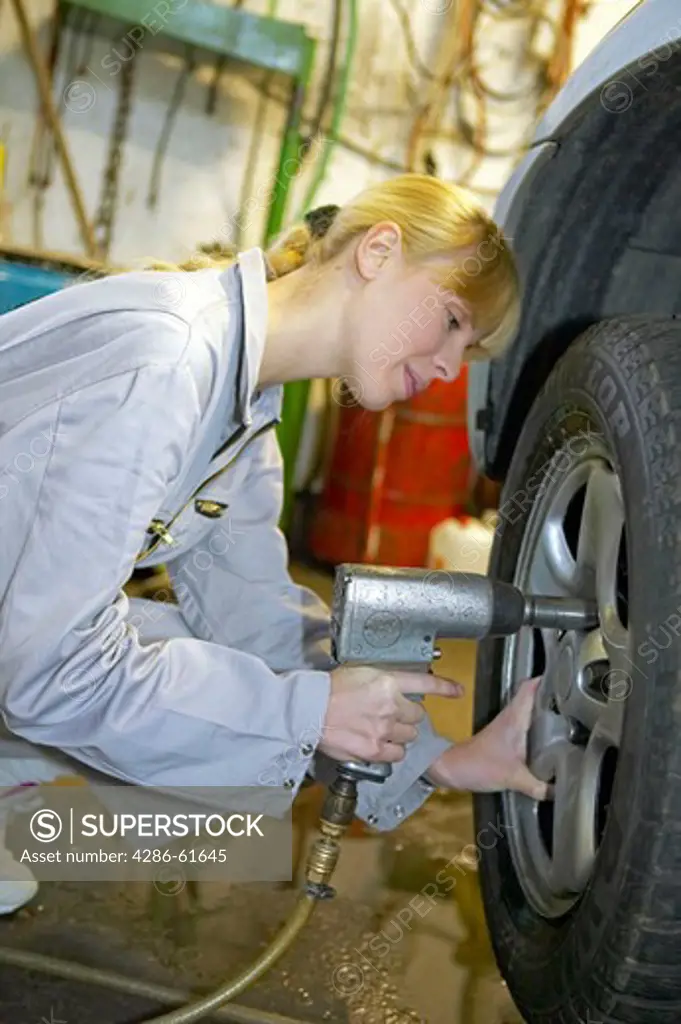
{"points": [[136, 429]]}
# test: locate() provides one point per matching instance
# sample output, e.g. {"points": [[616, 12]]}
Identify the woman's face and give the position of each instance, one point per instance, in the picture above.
{"points": [[406, 329]]}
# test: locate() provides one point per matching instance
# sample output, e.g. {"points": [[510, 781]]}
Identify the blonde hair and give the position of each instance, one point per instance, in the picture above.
{"points": [[436, 219]]}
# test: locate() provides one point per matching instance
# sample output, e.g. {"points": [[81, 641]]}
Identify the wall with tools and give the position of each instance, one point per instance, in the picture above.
{"points": [[172, 149], [179, 127]]}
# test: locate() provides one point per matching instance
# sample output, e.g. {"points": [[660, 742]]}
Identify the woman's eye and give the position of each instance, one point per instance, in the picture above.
{"points": [[453, 321]]}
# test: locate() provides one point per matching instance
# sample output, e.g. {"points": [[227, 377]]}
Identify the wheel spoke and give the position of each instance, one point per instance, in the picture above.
{"points": [[608, 728], [598, 549], [547, 738], [574, 815], [598, 493], [554, 564], [550, 640], [524, 644], [557, 555]]}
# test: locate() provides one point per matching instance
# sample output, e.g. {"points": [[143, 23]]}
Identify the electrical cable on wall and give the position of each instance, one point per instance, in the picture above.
{"points": [[464, 87], [211, 99], [471, 88], [312, 126], [473, 136], [106, 214], [168, 122], [326, 89], [412, 50], [254, 146], [339, 105]]}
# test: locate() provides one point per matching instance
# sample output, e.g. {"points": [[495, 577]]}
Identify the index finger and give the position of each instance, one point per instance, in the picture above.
{"points": [[427, 683]]}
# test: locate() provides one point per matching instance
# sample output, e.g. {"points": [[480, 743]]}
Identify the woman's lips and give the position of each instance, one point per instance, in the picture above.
{"points": [[412, 381]]}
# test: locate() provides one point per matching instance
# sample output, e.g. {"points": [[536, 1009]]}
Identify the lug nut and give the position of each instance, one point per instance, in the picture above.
{"points": [[579, 734]]}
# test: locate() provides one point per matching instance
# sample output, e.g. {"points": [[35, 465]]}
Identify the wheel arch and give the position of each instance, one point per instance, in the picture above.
{"points": [[599, 235]]}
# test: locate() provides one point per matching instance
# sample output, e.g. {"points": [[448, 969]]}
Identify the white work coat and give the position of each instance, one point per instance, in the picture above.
{"points": [[130, 404]]}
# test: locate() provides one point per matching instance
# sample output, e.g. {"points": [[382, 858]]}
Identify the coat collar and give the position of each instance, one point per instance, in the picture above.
{"points": [[253, 276]]}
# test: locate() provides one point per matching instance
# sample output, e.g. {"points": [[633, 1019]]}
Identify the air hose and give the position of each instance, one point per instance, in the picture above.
{"points": [[337, 813]]}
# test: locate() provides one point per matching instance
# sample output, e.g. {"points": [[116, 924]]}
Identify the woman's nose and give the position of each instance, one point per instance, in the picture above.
{"points": [[448, 369], [448, 361]]}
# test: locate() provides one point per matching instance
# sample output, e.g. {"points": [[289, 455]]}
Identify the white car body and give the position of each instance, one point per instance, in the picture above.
{"points": [[650, 30]]}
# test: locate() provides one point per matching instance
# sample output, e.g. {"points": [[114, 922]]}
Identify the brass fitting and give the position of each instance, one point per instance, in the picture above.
{"points": [[323, 857], [337, 813]]}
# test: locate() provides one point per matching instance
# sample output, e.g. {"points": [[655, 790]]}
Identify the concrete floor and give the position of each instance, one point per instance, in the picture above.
{"points": [[364, 958]]}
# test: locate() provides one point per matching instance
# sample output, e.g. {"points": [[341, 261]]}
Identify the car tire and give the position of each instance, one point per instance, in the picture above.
{"points": [[614, 956]]}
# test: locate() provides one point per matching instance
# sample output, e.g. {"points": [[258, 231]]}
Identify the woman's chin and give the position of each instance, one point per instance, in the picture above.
{"points": [[372, 395], [377, 403]]}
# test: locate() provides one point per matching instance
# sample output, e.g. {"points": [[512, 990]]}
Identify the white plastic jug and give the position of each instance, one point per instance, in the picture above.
{"points": [[462, 545]]}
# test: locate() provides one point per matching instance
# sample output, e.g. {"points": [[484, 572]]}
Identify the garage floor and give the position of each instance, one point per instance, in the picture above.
{"points": [[432, 966]]}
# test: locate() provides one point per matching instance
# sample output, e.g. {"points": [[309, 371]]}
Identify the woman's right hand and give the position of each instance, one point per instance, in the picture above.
{"points": [[370, 718]]}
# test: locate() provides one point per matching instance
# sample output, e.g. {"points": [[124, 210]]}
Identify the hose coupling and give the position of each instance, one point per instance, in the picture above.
{"points": [[337, 813]]}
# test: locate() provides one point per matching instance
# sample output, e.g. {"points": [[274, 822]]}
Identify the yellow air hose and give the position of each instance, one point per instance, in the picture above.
{"points": [[337, 813], [296, 922]]}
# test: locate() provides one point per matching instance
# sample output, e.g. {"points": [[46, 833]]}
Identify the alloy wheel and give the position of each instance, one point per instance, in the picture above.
{"points": [[573, 546]]}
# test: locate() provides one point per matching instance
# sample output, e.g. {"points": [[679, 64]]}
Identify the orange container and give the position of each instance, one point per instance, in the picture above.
{"points": [[341, 518], [392, 477]]}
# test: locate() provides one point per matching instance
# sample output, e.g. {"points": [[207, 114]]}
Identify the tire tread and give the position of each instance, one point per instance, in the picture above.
{"points": [[643, 982]]}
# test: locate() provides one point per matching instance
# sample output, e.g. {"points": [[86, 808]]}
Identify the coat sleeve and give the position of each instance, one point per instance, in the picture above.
{"points": [[248, 600], [73, 672]]}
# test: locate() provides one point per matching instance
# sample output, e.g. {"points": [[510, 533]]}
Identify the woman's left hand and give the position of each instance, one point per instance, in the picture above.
{"points": [[495, 759]]}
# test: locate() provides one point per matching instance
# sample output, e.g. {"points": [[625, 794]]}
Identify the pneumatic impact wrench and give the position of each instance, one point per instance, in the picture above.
{"points": [[393, 617]]}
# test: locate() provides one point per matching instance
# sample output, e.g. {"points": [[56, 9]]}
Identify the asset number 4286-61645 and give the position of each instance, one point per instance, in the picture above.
{"points": [[183, 857]]}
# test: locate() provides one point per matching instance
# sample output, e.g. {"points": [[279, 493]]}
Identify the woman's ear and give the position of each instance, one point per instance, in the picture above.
{"points": [[379, 247]]}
